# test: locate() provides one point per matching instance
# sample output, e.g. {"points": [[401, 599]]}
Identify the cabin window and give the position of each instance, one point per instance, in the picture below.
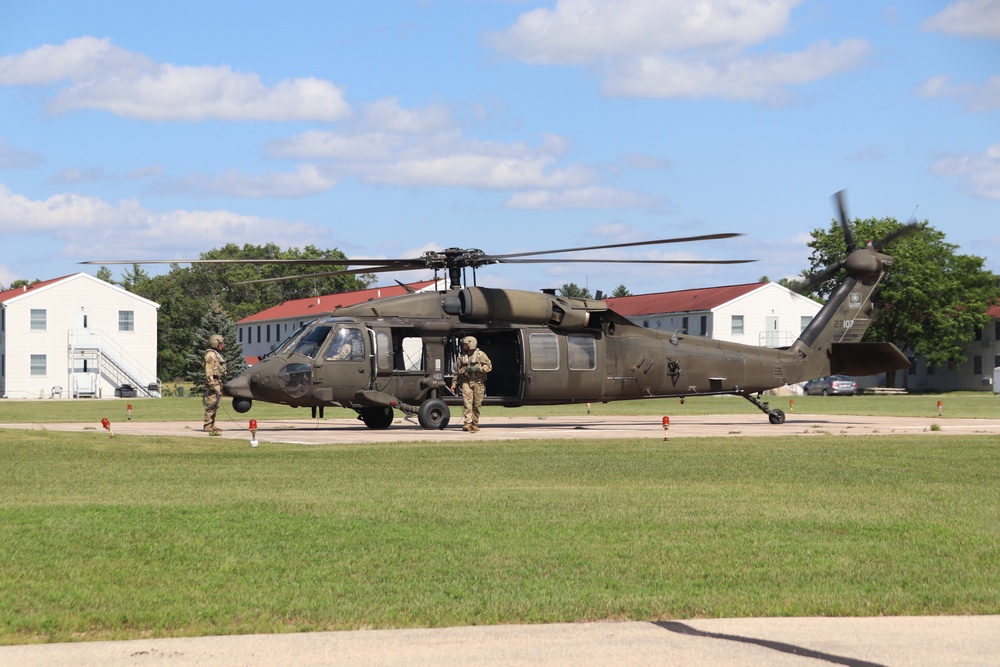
{"points": [[126, 320], [544, 348], [383, 343], [39, 365], [737, 326], [39, 319], [581, 352]]}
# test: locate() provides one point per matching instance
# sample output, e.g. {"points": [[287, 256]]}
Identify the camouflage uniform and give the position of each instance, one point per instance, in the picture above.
{"points": [[215, 373], [470, 376]]}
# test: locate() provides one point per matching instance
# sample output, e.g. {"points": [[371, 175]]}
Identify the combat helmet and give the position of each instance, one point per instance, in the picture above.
{"points": [[215, 340], [470, 341]]}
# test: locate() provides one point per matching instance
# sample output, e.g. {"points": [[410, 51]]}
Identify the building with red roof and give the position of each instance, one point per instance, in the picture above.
{"points": [[263, 332], [764, 314]]}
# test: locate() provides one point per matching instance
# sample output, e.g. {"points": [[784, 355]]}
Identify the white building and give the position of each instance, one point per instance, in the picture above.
{"points": [[976, 374], [76, 336], [762, 314]]}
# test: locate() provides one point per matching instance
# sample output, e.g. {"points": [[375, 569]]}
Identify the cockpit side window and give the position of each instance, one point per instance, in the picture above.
{"points": [[347, 345]]}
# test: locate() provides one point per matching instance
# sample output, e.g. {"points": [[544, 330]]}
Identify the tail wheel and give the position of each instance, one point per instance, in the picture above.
{"points": [[434, 414], [376, 417], [777, 417]]}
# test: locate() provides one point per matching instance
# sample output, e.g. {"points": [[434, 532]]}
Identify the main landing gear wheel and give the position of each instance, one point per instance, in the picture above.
{"points": [[433, 414], [376, 417], [777, 417]]}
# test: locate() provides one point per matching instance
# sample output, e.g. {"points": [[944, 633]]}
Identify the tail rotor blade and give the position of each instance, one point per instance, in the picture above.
{"points": [[841, 199]]}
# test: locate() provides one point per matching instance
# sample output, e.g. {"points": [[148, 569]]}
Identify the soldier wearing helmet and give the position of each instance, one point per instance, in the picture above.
{"points": [[215, 373], [470, 377]]}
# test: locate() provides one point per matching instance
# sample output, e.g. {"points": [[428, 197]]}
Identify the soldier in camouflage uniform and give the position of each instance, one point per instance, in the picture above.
{"points": [[215, 373], [470, 376]]}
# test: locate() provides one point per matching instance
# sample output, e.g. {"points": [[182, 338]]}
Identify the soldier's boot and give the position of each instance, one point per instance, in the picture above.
{"points": [[212, 429], [467, 427], [474, 428]]}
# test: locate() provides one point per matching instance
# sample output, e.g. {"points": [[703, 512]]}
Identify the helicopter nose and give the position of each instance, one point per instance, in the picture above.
{"points": [[238, 387]]}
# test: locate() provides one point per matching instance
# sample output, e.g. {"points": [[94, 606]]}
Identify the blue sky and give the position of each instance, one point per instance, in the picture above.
{"points": [[162, 130]]}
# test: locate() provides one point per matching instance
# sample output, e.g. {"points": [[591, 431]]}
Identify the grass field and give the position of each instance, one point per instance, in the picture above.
{"points": [[193, 536], [959, 404]]}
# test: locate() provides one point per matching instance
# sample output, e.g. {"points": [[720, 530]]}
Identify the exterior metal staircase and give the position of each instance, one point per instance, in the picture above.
{"points": [[94, 356]]}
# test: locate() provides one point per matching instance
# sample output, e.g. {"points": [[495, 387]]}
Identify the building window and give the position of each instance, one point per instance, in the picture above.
{"points": [[39, 365], [241, 334], [38, 319], [703, 326], [996, 361], [996, 329], [912, 370], [804, 321], [977, 365], [684, 324], [126, 320], [737, 329]]}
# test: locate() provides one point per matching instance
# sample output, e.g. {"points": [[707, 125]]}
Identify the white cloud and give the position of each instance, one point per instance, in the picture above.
{"points": [[677, 48], [581, 31], [92, 226], [967, 18], [105, 77], [980, 171], [590, 198], [762, 78], [304, 181], [985, 97]]}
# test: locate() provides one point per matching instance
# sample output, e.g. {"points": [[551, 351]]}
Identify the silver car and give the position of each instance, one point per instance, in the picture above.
{"points": [[832, 385]]}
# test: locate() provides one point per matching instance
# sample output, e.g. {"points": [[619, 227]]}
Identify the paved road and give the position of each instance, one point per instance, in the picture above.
{"points": [[331, 431], [858, 642]]}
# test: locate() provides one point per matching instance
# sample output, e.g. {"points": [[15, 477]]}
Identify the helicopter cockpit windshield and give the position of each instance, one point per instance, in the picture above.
{"points": [[309, 344]]}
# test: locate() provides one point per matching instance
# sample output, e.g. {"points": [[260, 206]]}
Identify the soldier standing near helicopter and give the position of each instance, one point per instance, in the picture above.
{"points": [[470, 377], [215, 373]]}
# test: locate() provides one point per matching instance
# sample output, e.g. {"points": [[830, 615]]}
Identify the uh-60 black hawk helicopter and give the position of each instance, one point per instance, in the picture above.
{"points": [[547, 349]]}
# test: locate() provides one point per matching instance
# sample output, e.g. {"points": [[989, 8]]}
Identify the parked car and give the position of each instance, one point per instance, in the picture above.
{"points": [[832, 385]]}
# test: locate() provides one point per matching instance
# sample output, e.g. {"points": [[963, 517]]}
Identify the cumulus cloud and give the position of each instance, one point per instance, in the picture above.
{"points": [[304, 181], [974, 97], [90, 225], [980, 172], [95, 74], [590, 198], [967, 18], [677, 48], [763, 78], [580, 31]]}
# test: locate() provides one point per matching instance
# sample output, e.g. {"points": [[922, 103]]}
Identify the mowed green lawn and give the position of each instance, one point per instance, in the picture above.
{"points": [[149, 536], [959, 404]]}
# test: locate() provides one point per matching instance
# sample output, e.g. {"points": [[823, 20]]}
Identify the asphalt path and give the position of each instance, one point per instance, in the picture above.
{"points": [[334, 431], [856, 642]]}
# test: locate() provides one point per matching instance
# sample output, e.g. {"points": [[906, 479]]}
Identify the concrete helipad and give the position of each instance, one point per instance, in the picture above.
{"points": [[332, 431]]}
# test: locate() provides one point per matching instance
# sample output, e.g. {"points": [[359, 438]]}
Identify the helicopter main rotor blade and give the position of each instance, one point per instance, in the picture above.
{"points": [[706, 237], [327, 274], [307, 262], [627, 261]]}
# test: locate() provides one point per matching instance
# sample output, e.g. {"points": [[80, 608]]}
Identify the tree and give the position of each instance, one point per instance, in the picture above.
{"points": [[621, 290], [104, 273], [213, 322], [574, 290], [932, 300]]}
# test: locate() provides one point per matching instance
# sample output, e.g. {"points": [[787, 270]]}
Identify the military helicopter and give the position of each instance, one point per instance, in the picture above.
{"points": [[547, 349]]}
